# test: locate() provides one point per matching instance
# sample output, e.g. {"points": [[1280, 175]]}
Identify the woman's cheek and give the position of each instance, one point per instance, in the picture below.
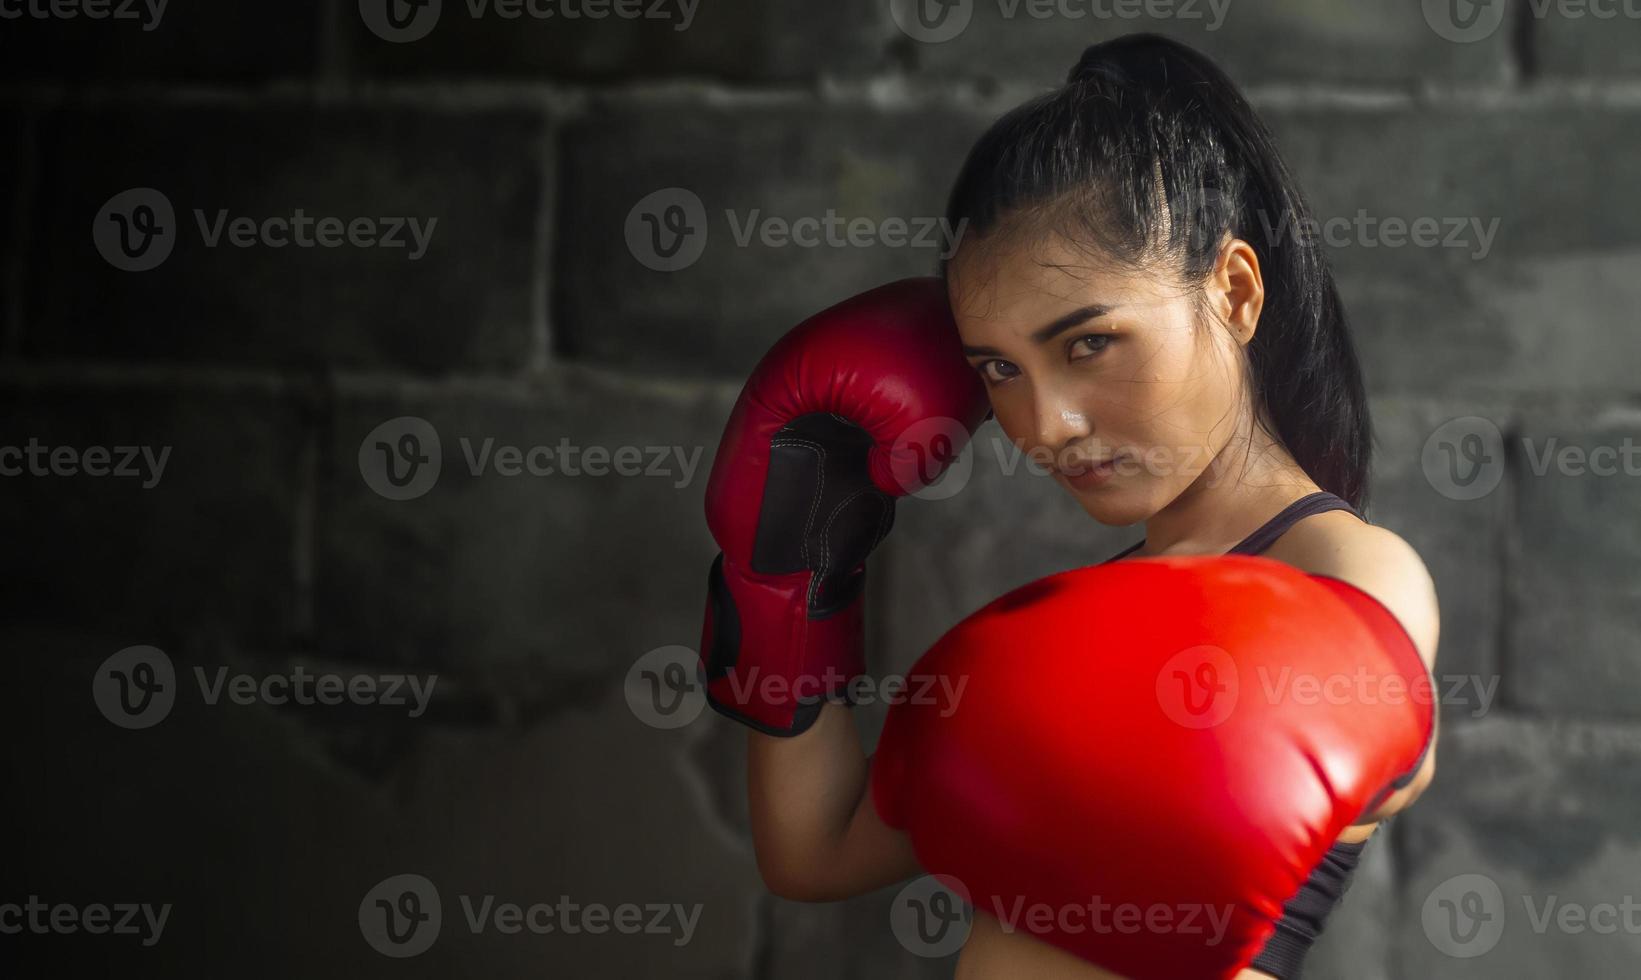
{"points": [[1014, 420]]}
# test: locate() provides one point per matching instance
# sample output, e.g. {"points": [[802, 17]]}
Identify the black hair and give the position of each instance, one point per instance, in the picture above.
{"points": [[1147, 131]]}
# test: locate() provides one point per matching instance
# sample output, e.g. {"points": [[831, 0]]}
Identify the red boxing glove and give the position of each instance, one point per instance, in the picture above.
{"points": [[1148, 757], [859, 404]]}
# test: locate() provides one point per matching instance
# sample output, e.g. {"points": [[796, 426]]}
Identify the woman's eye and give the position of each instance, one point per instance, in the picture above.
{"points": [[998, 371], [1091, 344]]}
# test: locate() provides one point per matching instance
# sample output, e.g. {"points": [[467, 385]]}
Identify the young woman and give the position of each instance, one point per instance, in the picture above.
{"points": [[1136, 291]]}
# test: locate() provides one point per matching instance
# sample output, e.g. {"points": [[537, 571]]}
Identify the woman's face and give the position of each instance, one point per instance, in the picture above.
{"points": [[1085, 364]]}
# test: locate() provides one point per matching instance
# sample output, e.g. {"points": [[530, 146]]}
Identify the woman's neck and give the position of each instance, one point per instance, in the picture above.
{"points": [[1245, 485]]}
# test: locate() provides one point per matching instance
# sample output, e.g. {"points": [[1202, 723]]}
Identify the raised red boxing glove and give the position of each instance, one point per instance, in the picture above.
{"points": [[1148, 757], [860, 404]]}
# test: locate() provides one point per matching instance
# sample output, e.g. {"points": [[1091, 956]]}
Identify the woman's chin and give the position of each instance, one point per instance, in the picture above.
{"points": [[1113, 506]]}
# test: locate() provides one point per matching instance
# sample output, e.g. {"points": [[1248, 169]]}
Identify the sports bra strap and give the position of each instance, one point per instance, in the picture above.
{"points": [[1266, 534]]}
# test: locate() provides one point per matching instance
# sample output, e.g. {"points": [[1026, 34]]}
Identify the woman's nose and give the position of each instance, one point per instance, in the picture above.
{"points": [[1060, 422]]}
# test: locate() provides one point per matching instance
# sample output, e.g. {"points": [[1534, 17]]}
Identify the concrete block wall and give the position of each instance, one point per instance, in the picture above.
{"points": [[537, 148]]}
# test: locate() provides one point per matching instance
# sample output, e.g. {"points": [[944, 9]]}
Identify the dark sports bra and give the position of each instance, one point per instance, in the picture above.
{"points": [[1304, 915]]}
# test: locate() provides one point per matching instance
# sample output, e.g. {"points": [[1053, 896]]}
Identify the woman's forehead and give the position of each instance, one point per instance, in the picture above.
{"points": [[1022, 285]]}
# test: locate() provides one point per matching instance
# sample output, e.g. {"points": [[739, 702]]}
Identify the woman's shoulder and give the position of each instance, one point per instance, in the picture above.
{"points": [[1376, 560]]}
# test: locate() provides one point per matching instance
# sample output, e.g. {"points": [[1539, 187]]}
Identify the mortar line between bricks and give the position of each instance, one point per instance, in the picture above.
{"points": [[12, 277], [1397, 859], [288, 91], [305, 530], [873, 93], [1523, 46], [546, 253], [763, 937], [101, 374], [277, 378], [1509, 560], [332, 69], [85, 376], [891, 93]]}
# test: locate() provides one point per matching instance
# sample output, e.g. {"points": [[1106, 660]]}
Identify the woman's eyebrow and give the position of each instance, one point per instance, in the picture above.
{"points": [[1044, 334], [1076, 317]]}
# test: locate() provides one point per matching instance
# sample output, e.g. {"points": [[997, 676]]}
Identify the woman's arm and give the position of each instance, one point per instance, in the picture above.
{"points": [[1381, 563], [817, 835]]}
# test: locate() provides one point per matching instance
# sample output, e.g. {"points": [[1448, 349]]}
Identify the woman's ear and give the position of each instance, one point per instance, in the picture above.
{"points": [[1241, 288]]}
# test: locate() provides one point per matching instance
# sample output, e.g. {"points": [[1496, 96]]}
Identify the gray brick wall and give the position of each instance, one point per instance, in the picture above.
{"points": [[277, 378]]}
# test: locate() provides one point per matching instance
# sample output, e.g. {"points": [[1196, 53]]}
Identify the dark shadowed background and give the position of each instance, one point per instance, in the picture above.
{"points": [[257, 426]]}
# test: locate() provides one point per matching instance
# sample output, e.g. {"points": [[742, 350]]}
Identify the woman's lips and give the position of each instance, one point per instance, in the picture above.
{"points": [[1091, 474]]}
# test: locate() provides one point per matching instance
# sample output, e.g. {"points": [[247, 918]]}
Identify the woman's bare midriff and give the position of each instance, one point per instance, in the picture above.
{"points": [[993, 953]]}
